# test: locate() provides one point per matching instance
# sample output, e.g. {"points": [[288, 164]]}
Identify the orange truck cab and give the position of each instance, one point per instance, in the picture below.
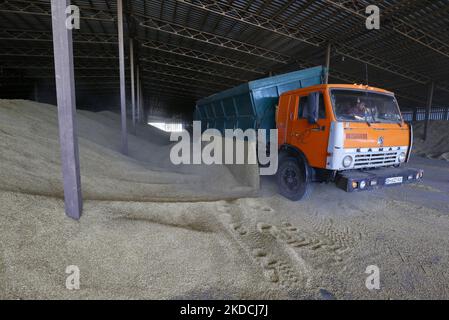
{"points": [[353, 135]]}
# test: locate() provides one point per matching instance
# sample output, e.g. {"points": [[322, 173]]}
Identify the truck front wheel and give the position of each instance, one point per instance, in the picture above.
{"points": [[294, 179]]}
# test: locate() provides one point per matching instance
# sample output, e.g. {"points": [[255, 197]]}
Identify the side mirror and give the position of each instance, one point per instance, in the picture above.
{"points": [[313, 105]]}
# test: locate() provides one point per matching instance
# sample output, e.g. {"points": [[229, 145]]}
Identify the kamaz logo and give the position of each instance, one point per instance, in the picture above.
{"points": [[380, 141]]}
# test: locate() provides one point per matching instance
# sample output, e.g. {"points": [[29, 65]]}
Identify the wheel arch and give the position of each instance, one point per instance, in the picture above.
{"points": [[293, 151]]}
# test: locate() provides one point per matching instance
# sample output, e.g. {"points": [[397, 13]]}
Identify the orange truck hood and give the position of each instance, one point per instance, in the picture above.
{"points": [[362, 135]]}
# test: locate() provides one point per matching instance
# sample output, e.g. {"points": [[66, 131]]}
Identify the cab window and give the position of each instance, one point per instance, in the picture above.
{"points": [[302, 108]]}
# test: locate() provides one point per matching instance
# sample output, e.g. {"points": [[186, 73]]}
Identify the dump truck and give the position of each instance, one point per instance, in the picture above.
{"points": [[351, 135]]}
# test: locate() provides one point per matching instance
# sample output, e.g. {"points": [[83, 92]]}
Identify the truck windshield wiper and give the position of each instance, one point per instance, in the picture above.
{"points": [[367, 121]]}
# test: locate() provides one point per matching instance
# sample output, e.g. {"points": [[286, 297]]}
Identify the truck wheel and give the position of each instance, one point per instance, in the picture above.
{"points": [[294, 179]]}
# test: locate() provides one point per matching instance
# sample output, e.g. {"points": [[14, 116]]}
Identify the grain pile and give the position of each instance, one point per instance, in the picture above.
{"points": [[138, 240], [437, 144]]}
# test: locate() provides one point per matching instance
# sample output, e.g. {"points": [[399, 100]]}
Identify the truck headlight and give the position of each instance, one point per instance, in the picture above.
{"points": [[347, 161], [402, 157]]}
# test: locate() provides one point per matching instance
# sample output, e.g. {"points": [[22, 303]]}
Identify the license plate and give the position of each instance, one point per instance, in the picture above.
{"points": [[394, 180]]}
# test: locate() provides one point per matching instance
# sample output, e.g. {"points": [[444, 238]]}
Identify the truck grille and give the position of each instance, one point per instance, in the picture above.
{"points": [[376, 159]]}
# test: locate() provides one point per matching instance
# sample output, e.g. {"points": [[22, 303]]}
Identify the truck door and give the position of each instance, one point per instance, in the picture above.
{"points": [[311, 139]]}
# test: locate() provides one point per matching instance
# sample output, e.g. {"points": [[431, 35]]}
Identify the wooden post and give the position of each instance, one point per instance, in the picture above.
{"points": [[122, 77], [65, 92]]}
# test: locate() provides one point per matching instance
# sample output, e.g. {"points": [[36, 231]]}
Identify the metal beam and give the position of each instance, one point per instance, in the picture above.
{"points": [[305, 36], [401, 27], [46, 73], [186, 79], [45, 64], [65, 89], [381, 64], [421, 37], [155, 84], [209, 38], [108, 76], [45, 36], [42, 8], [428, 108], [195, 67], [203, 56], [82, 53], [255, 20], [122, 77], [210, 80]]}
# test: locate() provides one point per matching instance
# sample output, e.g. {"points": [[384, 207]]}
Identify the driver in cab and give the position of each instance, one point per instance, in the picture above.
{"points": [[359, 110]]}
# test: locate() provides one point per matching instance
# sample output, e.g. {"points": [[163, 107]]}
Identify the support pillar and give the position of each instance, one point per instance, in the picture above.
{"points": [[65, 92], [140, 104], [133, 92], [328, 63], [122, 77], [143, 114], [429, 108], [138, 93]]}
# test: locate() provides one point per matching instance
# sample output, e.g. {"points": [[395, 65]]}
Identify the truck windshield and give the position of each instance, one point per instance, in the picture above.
{"points": [[365, 106]]}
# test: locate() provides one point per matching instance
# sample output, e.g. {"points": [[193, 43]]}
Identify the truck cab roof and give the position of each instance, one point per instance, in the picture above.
{"points": [[338, 86]]}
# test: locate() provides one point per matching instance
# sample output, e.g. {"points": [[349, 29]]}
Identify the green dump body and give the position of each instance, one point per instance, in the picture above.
{"points": [[252, 105]]}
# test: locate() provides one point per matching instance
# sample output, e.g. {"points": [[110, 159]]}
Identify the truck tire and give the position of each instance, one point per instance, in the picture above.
{"points": [[294, 179]]}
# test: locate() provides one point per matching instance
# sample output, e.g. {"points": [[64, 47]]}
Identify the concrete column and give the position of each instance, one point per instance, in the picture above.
{"points": [[429, 108], [133, 92], [122, 77], [65, 92], [328, 63]]}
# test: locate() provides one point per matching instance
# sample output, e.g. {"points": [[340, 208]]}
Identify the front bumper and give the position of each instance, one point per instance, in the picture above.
{"points": [[363, 180]]}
